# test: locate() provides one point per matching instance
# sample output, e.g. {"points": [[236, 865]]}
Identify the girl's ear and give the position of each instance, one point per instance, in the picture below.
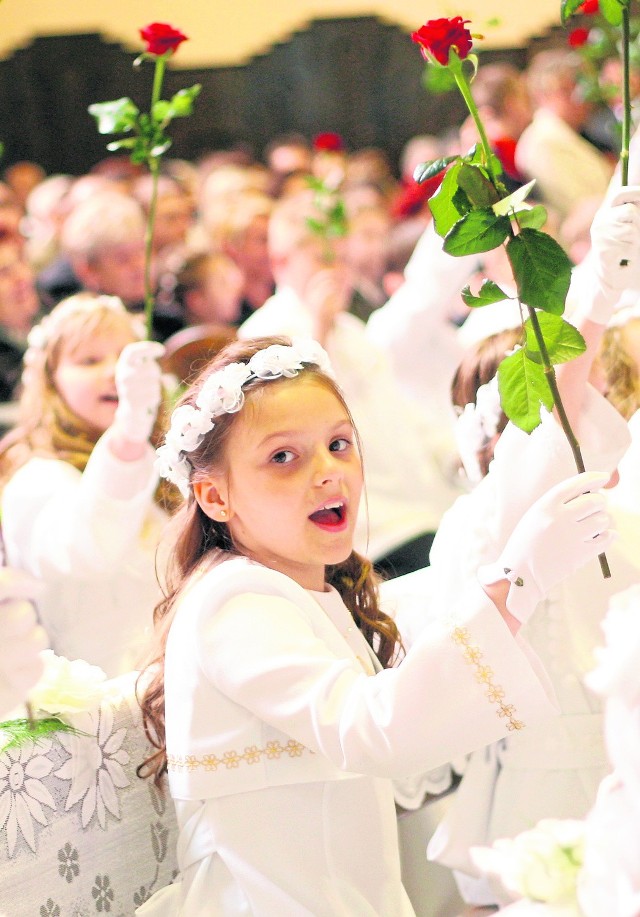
{"points": [[212, 495]]}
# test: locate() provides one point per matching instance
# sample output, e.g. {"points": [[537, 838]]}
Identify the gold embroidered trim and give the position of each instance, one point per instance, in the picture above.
{"points": [[230, 760], [484, 674]]}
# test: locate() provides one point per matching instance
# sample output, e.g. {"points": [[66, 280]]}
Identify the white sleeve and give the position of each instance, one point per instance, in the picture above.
{"points": [[58, 522], [459, 687]]}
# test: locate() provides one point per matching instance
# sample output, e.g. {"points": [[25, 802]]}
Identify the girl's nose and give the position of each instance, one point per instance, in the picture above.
{"points": [[327, 469]]}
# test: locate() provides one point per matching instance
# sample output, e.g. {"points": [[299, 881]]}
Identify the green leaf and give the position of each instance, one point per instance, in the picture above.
{"points": [[535, 218], [478, 231], [477, 186], [541, 269], [562, 339], [179, 106], [611, 10], [438, 79], [127, 144], [445, 204], [115, 117], [523, 389], [488, 293], [568, 8], [428, 170], [512, 201], [476, 157]]}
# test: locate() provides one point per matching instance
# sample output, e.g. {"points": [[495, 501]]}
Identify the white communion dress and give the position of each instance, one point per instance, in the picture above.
{"points": [[283, 735], [92, 539], [553, 769]]}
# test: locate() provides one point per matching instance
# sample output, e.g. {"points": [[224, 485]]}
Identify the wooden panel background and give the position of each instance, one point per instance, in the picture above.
{"points": [[359, 76]]}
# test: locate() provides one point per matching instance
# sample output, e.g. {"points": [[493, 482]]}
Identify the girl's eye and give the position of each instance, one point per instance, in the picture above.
{"points": [[283, 457], [340, 445], [89, 361]]}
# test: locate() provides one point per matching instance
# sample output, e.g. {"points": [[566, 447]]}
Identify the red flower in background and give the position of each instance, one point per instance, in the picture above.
{"points": [[328, 141], [578, 37], [589, 7], [438, 36], [161, 37]]}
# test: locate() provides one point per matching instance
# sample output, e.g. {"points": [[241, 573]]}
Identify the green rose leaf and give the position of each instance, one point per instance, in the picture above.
{"points": [[477, 186], [532, 219], [562, 339], [446, 204], [115, 117], [428, 170], [477, 231], [541, 269], [523, 389], [512, 202], [127, 144], [612, 10], [568, 8], [438, 79], [179, 106], [488, 293], [476, 157]]}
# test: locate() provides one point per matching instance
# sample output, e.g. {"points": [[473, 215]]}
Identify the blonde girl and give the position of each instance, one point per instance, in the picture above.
{"points": [[270, 697], [78, 479]]}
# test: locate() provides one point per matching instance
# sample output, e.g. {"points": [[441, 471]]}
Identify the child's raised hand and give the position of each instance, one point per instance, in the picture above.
{"points": [[21, 638], [615, 251], [327, 294], [139, 387], [565, 528]]}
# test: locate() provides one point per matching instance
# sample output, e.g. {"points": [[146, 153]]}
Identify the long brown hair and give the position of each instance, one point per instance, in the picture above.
{"points": [[46, 425], [199, 539], [619, 370]]}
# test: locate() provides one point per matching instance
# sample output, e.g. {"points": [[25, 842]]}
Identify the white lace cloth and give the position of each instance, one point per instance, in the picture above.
{"points": [[80, 833]]}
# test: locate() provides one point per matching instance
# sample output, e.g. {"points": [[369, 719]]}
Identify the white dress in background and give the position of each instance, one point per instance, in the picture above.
{"points": [[92, 539], [554, 769]]}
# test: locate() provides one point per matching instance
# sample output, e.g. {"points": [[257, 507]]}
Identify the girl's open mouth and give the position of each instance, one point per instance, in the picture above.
{"points": [[332, 516]]}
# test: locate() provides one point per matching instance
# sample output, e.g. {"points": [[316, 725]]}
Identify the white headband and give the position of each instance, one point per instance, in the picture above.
{"points": [[41, 334], [222, 394]]}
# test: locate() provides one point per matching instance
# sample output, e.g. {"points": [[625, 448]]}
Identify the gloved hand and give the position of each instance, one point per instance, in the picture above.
{"points": [[21, 639], [565, 528], [614, 258], [138, 384]]}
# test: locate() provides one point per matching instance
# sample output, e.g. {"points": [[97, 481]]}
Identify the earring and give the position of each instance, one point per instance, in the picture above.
{"points": [[223, 513]]}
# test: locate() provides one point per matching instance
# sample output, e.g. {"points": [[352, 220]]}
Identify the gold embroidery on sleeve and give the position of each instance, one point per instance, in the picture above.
{"points": [[484, 675], [231, 760]]}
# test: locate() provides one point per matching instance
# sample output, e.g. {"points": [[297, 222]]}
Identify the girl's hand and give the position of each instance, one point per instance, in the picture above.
{"points": [[565, 528], [139, 387], [327, 295]]}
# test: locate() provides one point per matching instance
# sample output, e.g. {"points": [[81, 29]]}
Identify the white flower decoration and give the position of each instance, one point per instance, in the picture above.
{"points": [[222, 393], [67, 686], [97, 783], [22, 792]]}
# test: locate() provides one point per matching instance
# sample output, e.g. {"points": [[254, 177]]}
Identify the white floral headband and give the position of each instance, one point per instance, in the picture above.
{"points": [[222, 394], [41, 334], [476, 425]]}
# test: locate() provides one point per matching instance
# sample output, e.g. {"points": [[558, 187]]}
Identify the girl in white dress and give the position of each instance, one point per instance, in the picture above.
{"points": [[278, 724], [78, 504]]}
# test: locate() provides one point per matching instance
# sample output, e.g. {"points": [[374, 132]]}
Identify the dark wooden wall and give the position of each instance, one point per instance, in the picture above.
{"points": [[358, 76]]}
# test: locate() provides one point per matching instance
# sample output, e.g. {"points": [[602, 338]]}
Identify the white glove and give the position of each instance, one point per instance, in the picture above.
{"points": [[614, 258], [565, 528], [139, 387], [21, 639]]}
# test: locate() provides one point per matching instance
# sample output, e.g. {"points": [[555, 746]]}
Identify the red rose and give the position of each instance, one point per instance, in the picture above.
{"points": [[578, 37], [328, 141], [589, 7], [161, 37], [438, 36]]}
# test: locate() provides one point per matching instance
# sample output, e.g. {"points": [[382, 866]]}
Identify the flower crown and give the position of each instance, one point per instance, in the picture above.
{"points": [[222, 393], [41, 334], [476, 425]]}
